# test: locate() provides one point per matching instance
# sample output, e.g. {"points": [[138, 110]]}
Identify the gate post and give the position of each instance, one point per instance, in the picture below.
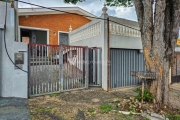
{"points": [[29, 71], [61, 68], [86, 67]]}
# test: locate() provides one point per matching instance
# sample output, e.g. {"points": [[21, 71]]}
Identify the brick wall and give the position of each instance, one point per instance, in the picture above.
{"points": [[53, 22]]}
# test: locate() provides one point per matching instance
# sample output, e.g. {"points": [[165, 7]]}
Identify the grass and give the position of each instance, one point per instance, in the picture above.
{"points": [[174, 117], [128, 118], [146, 118], [106, 108], [30, 97], [132, 109], [91, 111], [46, 109], [115, 102], [116, 109], [54, 111], [54, 95]]}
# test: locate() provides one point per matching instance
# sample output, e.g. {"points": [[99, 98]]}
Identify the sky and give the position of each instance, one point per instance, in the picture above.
{"points": [[92, 6]]}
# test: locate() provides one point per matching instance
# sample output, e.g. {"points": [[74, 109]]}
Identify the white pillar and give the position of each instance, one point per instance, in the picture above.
{"points": [[170, 75], [104, 49]]}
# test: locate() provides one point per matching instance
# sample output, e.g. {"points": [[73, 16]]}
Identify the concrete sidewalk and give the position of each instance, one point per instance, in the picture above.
{"points": [[175, 95], [14, 109], [175, 86]]}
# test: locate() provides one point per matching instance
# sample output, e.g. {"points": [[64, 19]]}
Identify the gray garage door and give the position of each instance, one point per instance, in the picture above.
{"points": [[122, 63]]}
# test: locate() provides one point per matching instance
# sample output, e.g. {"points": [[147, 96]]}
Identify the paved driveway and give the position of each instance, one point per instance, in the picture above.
{"points": [[14, 109]]}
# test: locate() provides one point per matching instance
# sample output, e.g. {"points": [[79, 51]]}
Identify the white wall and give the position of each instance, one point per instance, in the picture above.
{"points": [[90, 42], [13, 81], [125, 42]]}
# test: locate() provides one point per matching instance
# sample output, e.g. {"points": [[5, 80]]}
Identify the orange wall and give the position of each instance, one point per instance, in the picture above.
{"points": [[53, 22]]}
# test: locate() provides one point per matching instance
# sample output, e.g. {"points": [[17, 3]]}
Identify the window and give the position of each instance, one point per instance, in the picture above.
{"points": [[63, 38]]}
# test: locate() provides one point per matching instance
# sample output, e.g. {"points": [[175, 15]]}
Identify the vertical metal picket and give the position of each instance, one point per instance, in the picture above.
{"points": [[29, 73], [86, 67], [61, 68]]}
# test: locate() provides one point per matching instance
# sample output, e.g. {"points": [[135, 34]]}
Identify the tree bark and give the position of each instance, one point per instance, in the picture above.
{"points": [[159, 33]]}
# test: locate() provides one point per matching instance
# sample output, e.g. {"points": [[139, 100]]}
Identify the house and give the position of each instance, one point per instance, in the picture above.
{"points": [[43, 26], [126, 51]]}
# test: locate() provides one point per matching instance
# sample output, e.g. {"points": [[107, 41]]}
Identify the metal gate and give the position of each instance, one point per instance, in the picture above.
{"points": [[95, 66], [175, 78], [122, 63], [54, 68]]}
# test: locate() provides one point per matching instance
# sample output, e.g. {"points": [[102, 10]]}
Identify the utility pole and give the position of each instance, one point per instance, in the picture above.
{"points": [[16, 20]]}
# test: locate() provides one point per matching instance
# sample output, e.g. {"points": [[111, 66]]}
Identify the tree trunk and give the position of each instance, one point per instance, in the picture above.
{"points": [[159, 32]]}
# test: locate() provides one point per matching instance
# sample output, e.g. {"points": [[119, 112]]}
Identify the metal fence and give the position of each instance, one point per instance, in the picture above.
{"points": [[175, 78], [122, 63], [54, 68]]}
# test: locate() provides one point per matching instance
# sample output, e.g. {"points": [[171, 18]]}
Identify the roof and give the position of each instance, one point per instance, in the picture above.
{"points": [[43, 11], [127, 22]]}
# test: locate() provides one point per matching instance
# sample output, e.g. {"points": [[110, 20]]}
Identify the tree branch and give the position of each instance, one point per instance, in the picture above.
{"points": [[139, 11]]}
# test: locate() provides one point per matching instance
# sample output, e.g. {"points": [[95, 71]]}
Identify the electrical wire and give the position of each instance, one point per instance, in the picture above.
{"points": [[73, 13], [53, 10], [31, 5], [5, 41]]}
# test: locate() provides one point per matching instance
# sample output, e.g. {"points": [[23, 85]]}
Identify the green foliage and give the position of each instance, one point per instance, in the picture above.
{"points": [[131, 108], [116, 109], [174, 117], [128, 118], [125, 3], [73, 1], [131, 113], [46, 109], [54, 95], [91, 111], [146, 118], [106, 108], [30, 97], [146, 97]]}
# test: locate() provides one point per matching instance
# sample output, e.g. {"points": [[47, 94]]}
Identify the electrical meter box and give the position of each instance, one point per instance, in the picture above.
{"points": [[19, 58]]}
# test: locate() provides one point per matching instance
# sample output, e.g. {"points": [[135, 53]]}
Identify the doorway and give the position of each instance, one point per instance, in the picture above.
{"points": [[35, 37]]}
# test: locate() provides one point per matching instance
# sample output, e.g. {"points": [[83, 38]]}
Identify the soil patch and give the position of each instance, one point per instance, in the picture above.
{"points": [[91, 104], [94, 104]]}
